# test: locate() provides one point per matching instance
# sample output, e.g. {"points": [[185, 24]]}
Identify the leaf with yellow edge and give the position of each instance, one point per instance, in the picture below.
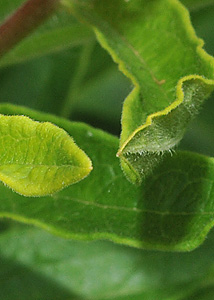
{"points": [[38, 159], [155, 46], [173, 209]]}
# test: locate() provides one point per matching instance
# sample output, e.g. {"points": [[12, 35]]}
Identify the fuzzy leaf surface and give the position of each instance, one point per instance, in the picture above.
{"points": [[38, 159], [155, 46]]}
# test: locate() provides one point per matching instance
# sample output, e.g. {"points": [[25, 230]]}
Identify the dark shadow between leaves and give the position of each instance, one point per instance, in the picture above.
{"points": [[17, 282], [178, 203]]}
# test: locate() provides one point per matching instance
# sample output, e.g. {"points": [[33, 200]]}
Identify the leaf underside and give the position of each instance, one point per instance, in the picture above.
{"points": [[38, 159], [156, 47]]}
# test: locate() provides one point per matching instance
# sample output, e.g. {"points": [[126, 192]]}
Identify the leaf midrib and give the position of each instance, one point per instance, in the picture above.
{"points": [[134, 209]]}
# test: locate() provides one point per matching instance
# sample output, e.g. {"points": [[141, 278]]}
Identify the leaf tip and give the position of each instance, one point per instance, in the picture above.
{"points": [[39, 158]]}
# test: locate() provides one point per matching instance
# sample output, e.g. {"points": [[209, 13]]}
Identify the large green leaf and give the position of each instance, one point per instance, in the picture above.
{"points": [[172, 209], [59, 32], [101, 270], [156, 47], [38, 159]]}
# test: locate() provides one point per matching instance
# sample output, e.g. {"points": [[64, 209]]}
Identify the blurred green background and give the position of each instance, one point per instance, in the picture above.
{"points": [[101, 270]]}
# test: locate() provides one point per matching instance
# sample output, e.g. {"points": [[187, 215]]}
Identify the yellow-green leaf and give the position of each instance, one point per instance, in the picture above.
{"points": [[37, 158]]}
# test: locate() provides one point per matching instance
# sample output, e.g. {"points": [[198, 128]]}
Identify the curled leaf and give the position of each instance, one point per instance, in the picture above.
{"points": [[155, 46], [172, 210]]}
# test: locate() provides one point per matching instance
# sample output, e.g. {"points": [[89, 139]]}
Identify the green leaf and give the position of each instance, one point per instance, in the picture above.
{"points": [[101, 270], [38, 159], [156, 47], [59, 32], [172, 209]]}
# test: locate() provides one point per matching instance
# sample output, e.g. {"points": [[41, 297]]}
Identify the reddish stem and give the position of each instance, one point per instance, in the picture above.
{"points": [[27, 18]]}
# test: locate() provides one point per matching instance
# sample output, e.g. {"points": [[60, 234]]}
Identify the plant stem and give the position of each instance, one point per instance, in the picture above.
{"points": [[25, 19], [75, 86]]}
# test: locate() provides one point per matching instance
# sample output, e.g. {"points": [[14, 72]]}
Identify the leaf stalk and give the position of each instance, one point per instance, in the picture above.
{"points": [[23, 21]]}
